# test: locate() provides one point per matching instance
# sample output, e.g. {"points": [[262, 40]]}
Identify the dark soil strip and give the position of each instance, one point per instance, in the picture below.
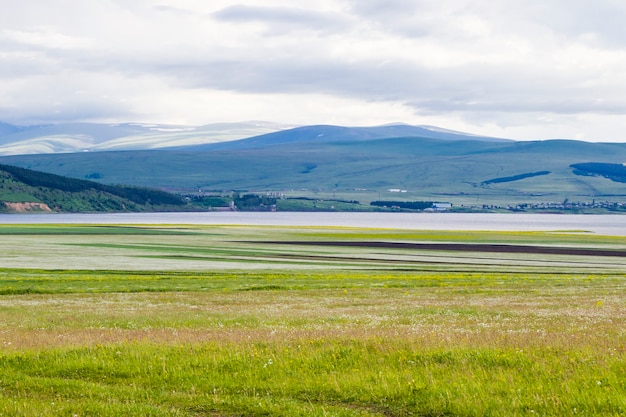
{"points": [[463, 247]]}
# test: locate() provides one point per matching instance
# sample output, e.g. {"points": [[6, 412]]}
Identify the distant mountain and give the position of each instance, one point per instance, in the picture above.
{"points": [[330, 133], [81, 137], [425, 163], [24, 190], [357, 165], [164, 137], [71, 137]]}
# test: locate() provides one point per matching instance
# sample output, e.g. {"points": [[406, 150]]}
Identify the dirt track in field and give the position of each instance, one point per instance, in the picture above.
{"points": [[463, 247]]}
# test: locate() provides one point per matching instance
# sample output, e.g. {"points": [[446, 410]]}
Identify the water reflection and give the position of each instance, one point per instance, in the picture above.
{"points": [[602, 224]]}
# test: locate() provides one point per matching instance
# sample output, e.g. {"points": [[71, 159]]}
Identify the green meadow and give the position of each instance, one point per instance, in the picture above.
{"points": [[171, 320]]}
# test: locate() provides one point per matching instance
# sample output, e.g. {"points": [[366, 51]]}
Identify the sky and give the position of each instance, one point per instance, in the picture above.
{"points": [[532, 69]]}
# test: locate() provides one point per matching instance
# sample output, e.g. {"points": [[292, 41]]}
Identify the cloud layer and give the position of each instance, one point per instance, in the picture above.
{"points": [[526, 70]]}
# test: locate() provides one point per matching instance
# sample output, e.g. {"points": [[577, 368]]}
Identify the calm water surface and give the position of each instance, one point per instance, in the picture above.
{"points": [[601, 224]]}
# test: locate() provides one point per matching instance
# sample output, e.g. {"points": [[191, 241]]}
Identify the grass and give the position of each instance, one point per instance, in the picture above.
{"points": [[314, 377], [437, 338], [220, 248], [432, 170]]}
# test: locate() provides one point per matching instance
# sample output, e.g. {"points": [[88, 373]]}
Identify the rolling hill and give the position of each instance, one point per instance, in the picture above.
{"points": [[329, 133], [385, 162], [82, 137], [23, 190]]}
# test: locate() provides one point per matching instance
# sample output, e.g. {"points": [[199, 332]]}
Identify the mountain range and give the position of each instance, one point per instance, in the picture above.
{"points": [[387, 162], [82, 137]]}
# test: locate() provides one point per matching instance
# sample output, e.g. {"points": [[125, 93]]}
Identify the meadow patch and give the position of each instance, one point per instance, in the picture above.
{"points": [[404, 334]]}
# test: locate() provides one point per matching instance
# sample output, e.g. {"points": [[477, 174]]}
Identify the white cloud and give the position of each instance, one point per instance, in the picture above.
{"points": [[532, 69], [279, 20], [44, 38]]}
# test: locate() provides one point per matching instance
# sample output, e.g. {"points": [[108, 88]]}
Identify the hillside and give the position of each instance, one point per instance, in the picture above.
{"points": [[23, 190], [386, 163], [318, 134], [469, 171]]}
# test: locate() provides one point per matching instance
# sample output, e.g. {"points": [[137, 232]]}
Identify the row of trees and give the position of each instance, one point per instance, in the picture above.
{"points": [[614, 172], [515, 177], [407, 205]]}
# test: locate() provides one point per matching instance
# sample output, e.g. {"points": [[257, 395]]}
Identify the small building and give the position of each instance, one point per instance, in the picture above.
{"points": [[442, 206]]}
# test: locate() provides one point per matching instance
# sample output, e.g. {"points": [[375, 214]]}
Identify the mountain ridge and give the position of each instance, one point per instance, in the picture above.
{"points": [[369, 163], [92, 137], [330, 133], [82, 137], [461, 171]]}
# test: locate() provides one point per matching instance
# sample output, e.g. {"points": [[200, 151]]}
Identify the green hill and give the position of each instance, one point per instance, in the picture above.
{"points": [[467, 171], [24, 190]]}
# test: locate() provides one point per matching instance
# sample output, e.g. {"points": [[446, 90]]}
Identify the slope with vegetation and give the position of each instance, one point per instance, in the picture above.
{"points": [[360, 164], [26, 190]]}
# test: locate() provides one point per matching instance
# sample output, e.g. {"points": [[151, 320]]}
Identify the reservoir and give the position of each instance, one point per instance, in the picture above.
{"points": [[606, 224]]}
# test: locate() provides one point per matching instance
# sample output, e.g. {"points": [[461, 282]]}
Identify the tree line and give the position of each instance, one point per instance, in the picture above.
{"points": [[407, 205], [139, 195]]}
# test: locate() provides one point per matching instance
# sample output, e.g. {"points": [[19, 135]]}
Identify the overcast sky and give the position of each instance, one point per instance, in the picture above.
{"points": [[530, 69]]}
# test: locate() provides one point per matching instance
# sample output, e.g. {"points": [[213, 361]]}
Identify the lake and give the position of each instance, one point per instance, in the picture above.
{"points": [[606, 224]]}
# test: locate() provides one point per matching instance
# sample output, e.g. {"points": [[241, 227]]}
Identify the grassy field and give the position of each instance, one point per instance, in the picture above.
{"points": [[218, 321]]}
